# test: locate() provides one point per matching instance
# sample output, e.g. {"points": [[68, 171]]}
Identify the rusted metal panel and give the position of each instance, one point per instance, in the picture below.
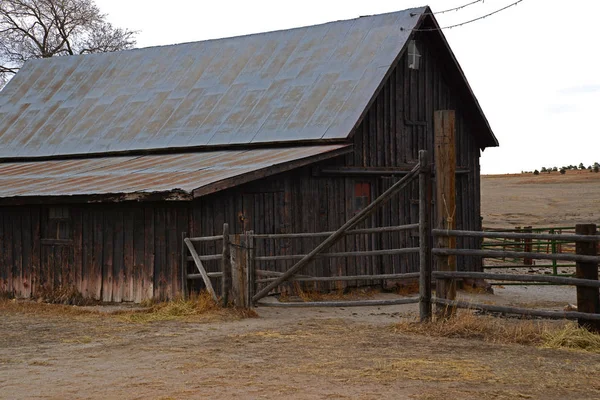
{"points": [[300, 84], [143, 174]]}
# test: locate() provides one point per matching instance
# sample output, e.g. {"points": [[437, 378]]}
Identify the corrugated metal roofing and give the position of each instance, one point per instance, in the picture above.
{"points": [[299, 84], [143, 174]]}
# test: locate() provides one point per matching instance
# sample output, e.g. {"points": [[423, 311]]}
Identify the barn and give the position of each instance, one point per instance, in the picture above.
{"points": [[107, 160]]}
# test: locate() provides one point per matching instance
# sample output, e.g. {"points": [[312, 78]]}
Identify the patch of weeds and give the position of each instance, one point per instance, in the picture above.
{"points": [[466, 325], [66, 295], [6, 295], [572, 337], [340, 294], [201, 305]]}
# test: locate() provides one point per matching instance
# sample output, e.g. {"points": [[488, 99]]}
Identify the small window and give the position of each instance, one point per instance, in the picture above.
{"points": [[414, 56], [362, 195], [57, 224], [58, 213]]}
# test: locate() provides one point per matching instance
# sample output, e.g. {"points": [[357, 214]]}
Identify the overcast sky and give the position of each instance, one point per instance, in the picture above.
{"points": [[535, 67]]}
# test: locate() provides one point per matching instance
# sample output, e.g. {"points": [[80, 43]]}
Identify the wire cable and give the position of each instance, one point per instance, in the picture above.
{"points": [[466, 22], [455, 8]]}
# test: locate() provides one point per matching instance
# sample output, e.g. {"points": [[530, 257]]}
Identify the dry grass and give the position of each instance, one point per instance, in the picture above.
{"points": [[67, 295], [200, 306], [573, 337], [341, 294], [466, 325]]}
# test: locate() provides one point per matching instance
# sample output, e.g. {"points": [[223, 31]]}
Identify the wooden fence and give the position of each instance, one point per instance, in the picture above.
{"points": [[245, 283]]}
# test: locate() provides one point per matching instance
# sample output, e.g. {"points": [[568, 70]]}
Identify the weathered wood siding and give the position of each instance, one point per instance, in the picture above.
{"points": [[111, 253]]}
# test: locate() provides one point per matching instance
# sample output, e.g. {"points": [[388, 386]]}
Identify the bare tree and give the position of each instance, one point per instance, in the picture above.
{"points": [[48, 28]]}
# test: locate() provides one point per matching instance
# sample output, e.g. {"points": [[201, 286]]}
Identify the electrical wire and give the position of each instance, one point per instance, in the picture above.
{"points": [[466, 22], [455, 8]]}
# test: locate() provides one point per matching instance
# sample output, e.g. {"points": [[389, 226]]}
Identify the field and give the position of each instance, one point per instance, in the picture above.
{"points": [[57, 352], [543, 200]]}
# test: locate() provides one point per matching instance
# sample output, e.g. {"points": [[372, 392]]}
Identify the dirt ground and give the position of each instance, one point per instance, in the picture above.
{"points": [[314, 353]]}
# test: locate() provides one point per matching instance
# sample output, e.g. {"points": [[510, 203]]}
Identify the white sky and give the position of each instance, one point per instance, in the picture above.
{"points": [[535, 67]]}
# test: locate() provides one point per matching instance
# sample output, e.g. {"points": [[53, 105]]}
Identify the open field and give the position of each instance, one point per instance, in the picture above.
{"points": [[542, 200], [56, 352]]}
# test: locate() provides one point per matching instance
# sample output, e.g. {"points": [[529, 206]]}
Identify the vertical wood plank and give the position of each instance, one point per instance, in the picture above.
{"points": [[160, 258], [445, 176], [96, 275], [587, 298], [107, 255], [149, 255], [18, 276], [27, 248], [128, 254], [77, 221], [172, 274]]}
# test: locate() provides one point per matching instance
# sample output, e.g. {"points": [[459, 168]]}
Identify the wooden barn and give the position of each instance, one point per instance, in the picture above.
{"points": [[107, 159]]}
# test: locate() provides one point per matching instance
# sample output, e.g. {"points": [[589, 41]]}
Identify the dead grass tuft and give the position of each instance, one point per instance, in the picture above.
{"points": [[572, 336], [40, 308], [67, 295], [198, 306], [466, 325], [340, 294]]}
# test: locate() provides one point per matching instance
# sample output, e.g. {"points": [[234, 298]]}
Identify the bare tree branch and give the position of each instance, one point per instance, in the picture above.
{"points": [[49, 28]]}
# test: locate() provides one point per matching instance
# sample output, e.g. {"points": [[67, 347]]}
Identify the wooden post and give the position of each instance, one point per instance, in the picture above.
{"points": [[239, 266], [528, 248], [251, 269], [587, 298], [184, 265], [445, 200], [424, 237], [226, 266]]}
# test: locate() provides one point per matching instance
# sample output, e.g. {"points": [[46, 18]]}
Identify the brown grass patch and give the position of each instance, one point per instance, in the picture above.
{"points": [[341, 294], [67, 295], [573, 337], [466, 325], [198, 306]]}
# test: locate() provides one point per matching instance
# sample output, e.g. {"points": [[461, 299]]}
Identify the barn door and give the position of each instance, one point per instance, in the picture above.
{"points": [[56, 249]]}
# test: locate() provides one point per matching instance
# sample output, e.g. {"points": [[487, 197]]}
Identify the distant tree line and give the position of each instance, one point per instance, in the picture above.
{"points": [[563, 170]]}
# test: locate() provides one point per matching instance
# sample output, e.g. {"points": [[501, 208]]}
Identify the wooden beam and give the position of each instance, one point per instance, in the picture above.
{"points": [[424, 238], [375, 171], [351, 223], [445, 200], [587, 298], [226, 266], [207, 283], [353, 303]]}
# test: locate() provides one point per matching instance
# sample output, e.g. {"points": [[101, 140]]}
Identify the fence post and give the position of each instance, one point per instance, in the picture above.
{"points": [[184, 265], [251, 269], [528, 248], [587, 298], [239, 271], [226, 266], [424, 237], [445, 200]]}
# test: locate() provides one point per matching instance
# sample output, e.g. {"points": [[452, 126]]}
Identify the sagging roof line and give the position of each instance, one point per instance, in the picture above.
{"points": [[179, 150]]}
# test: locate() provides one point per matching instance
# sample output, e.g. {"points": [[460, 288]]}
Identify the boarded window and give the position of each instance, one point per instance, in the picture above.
{"points": [[362, 195], [57, 224]]}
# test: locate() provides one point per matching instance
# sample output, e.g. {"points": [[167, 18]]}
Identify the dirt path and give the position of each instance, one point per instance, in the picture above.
{"points": [[302, 353]]}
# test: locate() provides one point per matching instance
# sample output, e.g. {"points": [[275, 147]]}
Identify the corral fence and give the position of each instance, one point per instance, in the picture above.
{"points": [[245, 282], [550, 246]]}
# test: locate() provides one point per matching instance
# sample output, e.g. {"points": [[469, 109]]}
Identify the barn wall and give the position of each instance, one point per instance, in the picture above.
{"points": [[111, 253], [400, 123]]}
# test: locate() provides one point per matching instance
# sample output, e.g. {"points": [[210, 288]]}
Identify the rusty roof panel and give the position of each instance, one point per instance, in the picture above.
{"points": [[299, 84], [143, 174]]}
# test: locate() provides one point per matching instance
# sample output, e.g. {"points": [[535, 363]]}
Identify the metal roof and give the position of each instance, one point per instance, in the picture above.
{"points": [[300, 84], [147, 174]]}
